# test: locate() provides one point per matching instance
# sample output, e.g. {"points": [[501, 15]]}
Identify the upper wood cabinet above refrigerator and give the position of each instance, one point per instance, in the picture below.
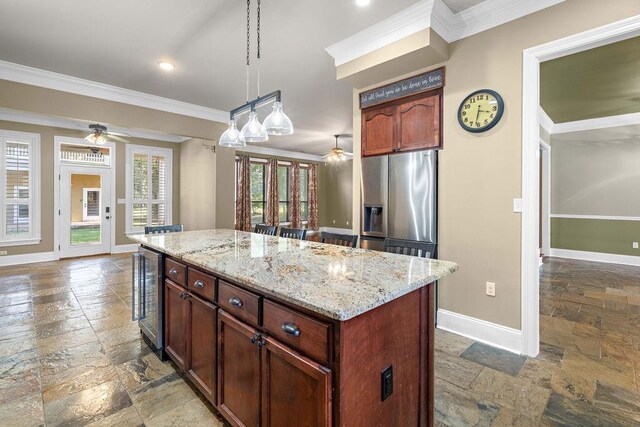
{"points": [[408, 124]]}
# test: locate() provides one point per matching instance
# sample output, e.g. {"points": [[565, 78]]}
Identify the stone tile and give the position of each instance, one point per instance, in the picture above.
{"points": [[509, 417], [115, 336], [617, 400], [162, 395], [89, 354], [127, 351], [455, 370], [494, 358], [27, 411], [70, 381], [192, 413], [111, 322], [515, 393], [563, 411], [455, 406], [18, 362], [45, 330], [550, 353], [20, 384], [606, 371], [451, 343], [15, 345], [46, 299], [64, 341], [137, 373], [127, 417], [87, 406]]}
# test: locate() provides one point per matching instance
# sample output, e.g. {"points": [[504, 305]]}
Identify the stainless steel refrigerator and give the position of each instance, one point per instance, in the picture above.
{"points": [[399, 198], [147, 296]]}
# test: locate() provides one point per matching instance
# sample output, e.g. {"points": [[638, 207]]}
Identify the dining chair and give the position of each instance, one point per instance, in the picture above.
{"points": [[339, 239], [408, 247], [293, 233], [163, 229], [266, 229]]}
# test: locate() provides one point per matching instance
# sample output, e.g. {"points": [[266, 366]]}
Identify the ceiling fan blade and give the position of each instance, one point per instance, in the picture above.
{"points": [[126, 135], [347, 154], [117, 138], [89, 137]]}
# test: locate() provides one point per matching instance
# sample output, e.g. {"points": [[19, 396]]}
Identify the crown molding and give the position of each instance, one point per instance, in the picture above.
{"points": [[266, 151], [436, 15], [50, 80], [81, 125], [594, 124]]}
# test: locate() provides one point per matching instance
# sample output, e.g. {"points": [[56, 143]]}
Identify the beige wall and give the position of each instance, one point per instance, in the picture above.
{"points": [[78, 184], [590, 178], [336, 208], [47, 182], [479, 175]]}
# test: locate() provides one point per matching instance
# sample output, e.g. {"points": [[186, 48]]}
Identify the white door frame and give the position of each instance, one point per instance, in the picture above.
{"points": [[57, 141], [85, 206], [545, 159], [611, 33]]}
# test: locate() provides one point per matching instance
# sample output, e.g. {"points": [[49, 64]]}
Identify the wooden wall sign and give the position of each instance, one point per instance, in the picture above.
{"points": [[421, 83]]}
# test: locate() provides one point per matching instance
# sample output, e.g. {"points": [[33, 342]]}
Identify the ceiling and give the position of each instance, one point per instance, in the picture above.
{"points": [[595, 83], [460, 5], [629, 134], [120, 42]]}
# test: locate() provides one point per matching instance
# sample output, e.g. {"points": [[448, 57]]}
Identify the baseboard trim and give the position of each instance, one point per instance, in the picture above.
{"points": [[596, 256], [480, 330], [123, 249], [9, 260]]}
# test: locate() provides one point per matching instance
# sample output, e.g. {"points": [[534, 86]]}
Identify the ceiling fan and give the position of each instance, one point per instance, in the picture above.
{"points": [[337, 154], [99, 135]]}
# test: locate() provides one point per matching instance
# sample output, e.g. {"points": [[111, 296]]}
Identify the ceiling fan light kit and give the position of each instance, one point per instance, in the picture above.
{"points": [[276, 123], [337, 154], [100, 136]]}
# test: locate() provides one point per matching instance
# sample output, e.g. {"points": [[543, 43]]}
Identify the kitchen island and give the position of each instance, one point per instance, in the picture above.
{"points": [[282, 332]]}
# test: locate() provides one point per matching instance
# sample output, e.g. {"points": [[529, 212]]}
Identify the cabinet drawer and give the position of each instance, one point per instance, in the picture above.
{"points": [[297, 330], [202, 284], [239, 302], [175, 271]]}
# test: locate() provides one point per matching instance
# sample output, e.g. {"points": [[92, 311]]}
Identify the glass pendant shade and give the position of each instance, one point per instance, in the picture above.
{"points": [[96, 138], [277, 123], [253, 131], [231, 137]]}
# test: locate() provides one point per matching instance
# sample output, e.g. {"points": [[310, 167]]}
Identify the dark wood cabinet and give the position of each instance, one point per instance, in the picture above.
{"points": [[295, 390], [409, 124], [202, 346], [176, 309], [238, 371]]}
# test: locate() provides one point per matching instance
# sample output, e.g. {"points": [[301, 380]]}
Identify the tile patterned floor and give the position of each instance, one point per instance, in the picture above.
{"points": [[70, 355]]}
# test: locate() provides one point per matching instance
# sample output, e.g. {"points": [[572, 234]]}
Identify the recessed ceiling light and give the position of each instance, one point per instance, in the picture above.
{"points": [[166, 65], [363, 2]]}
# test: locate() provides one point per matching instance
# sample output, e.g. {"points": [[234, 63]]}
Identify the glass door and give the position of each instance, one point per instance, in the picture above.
{"points": [[85, 214]]}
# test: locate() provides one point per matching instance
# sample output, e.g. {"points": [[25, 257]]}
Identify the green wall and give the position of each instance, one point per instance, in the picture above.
{"points": [[595, 235]]}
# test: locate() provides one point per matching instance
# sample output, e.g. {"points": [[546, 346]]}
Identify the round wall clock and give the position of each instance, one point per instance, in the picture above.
{"points": [[480, 111]]}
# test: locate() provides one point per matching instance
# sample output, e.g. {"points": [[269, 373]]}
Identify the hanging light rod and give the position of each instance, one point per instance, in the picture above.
{"points": [[275, 96]]}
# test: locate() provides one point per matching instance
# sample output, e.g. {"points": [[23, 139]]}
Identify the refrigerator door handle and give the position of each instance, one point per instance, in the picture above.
{"points": [[143, 288], [135, 284]]}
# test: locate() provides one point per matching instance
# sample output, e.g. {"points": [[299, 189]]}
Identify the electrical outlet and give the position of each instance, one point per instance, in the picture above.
{"points": [[491, 289], [347, 222], [635, 245], [3, 253], [334, 221]]}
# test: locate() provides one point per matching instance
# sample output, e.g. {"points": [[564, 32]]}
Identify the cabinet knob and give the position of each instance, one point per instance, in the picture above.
{"points": [[235, 301], [173, 272], [258, 339], [198, 284], [291, 329]]}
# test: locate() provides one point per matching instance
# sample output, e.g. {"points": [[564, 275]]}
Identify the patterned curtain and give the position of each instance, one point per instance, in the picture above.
{"points": [[313, 197], [294, 195], [272, 215], [243, 194]]}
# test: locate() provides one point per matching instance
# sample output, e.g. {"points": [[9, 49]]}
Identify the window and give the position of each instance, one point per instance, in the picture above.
{"points": [[283, 193], [20, 189], [304, 193], [148, 187], [258, 193]]}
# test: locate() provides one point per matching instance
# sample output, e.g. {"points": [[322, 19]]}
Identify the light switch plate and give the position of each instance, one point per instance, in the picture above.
{"points": [[517, 205], [635, 245], [122, 201]]}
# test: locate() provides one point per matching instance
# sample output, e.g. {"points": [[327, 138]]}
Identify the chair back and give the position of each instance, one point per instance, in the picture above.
{"points": [[162, 229], [408, 247], [339, 239], [293, 233], [266, 229]]}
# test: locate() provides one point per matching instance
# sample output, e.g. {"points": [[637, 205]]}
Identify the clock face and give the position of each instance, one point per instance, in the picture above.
{"points": [[480, 111]]}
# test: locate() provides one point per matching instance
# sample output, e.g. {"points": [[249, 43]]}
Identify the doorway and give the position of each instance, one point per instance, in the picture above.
{"points": [[85, 198]]}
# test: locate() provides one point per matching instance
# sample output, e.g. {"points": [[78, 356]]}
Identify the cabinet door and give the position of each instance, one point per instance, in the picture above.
{"points": [[238, 372], [295, 390], [176, 317], [378, 131], [202, 349], [419, 124]]}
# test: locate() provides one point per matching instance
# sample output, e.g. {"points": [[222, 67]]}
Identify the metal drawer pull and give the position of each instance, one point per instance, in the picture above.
{"points": [[291, 329], [198, 284], [236, 302], [173, 272]]}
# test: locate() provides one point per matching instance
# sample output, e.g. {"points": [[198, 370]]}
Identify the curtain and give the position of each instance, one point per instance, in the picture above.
{"points": [[294, 195], [272, 215], [312, 195], [243, 194]]}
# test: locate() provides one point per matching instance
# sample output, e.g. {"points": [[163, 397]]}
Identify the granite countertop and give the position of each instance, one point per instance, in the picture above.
{"points": [[330, 280]]}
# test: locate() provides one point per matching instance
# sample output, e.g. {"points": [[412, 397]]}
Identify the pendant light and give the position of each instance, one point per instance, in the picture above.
{"points": [[276, 123]]}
